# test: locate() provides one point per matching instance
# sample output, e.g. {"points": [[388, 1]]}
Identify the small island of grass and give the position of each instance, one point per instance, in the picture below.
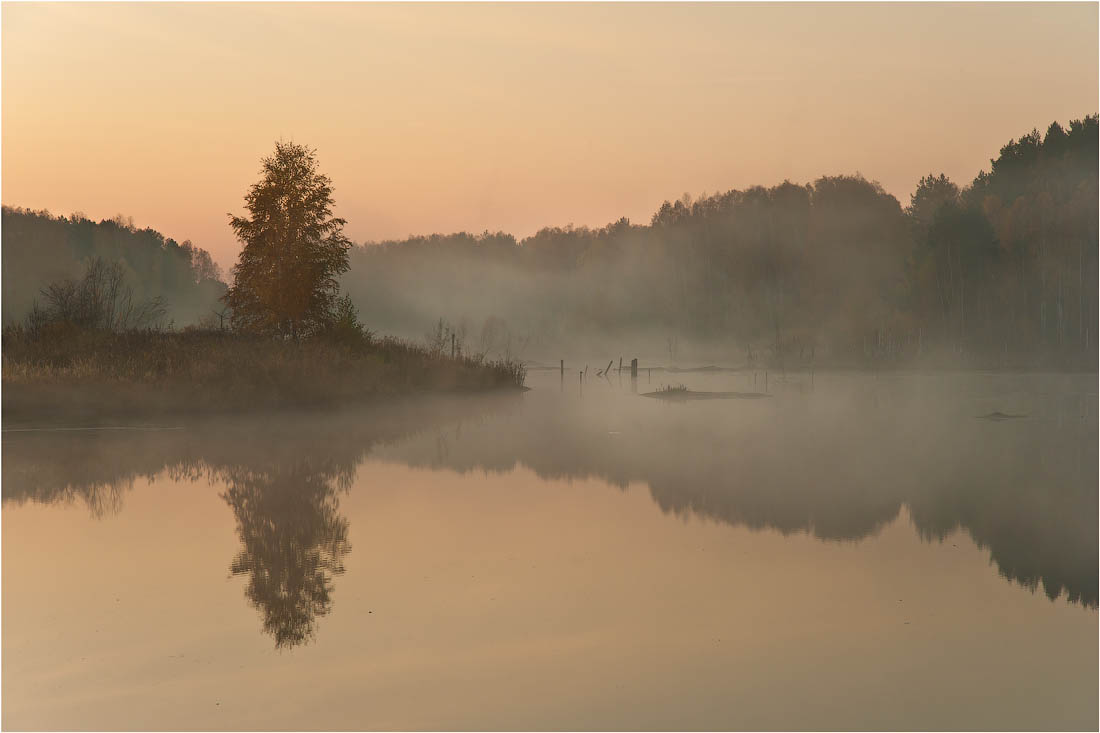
{"points": [[88, 374], [680, 392], [286, 338]]}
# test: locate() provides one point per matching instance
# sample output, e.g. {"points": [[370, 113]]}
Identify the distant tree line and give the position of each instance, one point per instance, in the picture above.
{"points": [[41, 251], [1002, 272]]}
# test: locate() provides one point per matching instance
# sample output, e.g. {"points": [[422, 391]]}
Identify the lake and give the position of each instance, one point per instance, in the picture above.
{"points": [[853, 551]]}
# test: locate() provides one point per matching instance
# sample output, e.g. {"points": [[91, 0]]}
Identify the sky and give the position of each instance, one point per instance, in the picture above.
{"points": [[448, 117]]}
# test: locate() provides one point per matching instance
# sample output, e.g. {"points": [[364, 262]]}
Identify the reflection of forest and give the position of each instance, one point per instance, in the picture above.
{"points": [[1024, 490]]}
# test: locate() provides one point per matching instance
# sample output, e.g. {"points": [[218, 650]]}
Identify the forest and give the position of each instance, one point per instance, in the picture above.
{"points": [[1000, 272], [40, 249]]}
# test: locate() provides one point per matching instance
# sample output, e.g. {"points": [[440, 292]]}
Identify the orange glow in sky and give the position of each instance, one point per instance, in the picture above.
{"points": [[445, 117]]}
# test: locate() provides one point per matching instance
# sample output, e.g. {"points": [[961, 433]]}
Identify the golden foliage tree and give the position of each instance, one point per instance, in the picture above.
{"points": [[285, 282]]}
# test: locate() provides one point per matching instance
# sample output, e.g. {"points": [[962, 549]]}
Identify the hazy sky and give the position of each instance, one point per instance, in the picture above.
{"points": [[437, 118]]}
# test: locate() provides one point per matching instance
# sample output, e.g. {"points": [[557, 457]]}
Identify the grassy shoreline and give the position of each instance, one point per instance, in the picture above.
{"points": [[98, 374]]}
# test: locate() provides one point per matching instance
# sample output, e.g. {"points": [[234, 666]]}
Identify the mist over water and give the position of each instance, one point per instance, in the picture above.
{"points": [[565, 366], [868, 545]]}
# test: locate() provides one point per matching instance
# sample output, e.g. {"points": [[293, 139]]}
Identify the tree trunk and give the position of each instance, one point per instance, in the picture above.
{"points": [[1080, 291]]}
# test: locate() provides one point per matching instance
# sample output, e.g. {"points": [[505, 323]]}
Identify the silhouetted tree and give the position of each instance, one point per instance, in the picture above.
{"points": [[932, 193], [294, 249], [100, 300]]}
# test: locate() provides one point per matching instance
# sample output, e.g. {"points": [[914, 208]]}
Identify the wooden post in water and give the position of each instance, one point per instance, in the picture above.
{"points": [[620, 365], [452, 346], [765, 380], [633, 368], [563, 370]]}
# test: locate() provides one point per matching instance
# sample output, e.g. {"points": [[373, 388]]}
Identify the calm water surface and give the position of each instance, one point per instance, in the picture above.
{"points": [[854, 553]]}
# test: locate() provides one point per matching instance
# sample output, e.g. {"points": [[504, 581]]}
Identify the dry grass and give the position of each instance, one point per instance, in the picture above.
{"points": [[103, 373]]}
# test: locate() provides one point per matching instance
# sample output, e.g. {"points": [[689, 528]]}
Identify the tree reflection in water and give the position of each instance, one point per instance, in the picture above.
{"points": [[283, 473], [293, 541]]}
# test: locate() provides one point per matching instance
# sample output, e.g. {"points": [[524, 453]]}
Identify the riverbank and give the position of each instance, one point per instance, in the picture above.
{"points": [[94, 374]]}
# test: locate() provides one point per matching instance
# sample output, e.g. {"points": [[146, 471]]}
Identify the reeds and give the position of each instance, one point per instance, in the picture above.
{"points": [[62, 366]]}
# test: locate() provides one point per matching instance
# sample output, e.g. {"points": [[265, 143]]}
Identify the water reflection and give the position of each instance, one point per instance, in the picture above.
{"points": [[283, 476], [94, 468], [839, 466], [293, 540]]}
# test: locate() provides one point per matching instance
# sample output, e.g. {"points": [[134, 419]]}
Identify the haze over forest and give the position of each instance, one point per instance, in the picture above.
{"points": [[861, 218], [1000, 271]]}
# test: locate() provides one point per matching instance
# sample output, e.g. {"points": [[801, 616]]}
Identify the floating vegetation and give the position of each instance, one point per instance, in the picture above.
{"points": [[998, 416], [682, 393]]}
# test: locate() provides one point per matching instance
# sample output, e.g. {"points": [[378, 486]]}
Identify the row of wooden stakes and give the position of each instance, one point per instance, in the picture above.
{"points": [[605, 371]]}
